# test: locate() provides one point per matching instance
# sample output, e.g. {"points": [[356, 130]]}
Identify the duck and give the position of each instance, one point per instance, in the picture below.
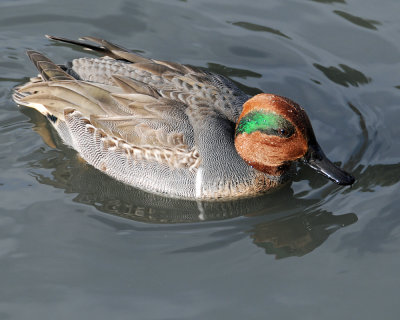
{"points": [[172, 129]]}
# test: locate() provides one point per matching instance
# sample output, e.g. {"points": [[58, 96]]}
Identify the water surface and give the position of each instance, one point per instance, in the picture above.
{"points": [[75, 244]]}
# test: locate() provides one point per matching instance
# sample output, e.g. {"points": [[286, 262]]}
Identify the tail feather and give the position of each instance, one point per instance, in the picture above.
{"points": [[47, 68], [55, 89], [29, 95], [105, 48], [78, 43]]}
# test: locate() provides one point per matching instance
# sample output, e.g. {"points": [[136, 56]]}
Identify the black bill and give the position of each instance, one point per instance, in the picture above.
{"points": [[316, 159]]}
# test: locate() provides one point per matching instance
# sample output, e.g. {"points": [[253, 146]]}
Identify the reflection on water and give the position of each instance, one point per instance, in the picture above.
{"points": [[231, 72], [235, 72], [345, 76], [377, 175], [366, 23], [256, 27], [298, 234], [363, 140], [294, 231], [373, 175]]}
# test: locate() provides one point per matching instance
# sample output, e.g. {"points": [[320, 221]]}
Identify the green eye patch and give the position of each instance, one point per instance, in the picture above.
{"points": [[266, 122]]}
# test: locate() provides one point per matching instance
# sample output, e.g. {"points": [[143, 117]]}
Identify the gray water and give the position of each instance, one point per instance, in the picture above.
{"points": [[74, 244]]}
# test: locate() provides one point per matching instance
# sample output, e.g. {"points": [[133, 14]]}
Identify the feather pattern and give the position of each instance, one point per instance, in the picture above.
{"points": [[157, 125]]}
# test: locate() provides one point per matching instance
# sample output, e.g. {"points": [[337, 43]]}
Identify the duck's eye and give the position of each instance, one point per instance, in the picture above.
{"points": [[284, 133]]}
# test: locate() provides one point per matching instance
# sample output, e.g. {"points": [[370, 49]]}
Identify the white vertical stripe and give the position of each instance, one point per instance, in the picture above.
{"points": [[202, 215], [199, 182]]}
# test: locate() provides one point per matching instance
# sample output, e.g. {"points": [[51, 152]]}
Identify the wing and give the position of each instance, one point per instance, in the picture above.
{"points": [[130, 117], [174, 81], [157, 125]]}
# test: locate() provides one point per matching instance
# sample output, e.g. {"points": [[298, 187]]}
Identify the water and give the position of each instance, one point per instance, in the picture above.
{"points": [[74, 244]]}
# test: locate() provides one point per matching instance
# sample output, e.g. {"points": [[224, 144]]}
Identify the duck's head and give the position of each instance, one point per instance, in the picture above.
{"points": [[273, 131]]}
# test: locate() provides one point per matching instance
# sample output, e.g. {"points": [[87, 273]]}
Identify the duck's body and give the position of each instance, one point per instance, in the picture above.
{"points": [[167, 128]]}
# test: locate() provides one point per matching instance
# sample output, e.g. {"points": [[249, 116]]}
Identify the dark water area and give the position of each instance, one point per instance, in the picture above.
{"points": [[75, 244]]}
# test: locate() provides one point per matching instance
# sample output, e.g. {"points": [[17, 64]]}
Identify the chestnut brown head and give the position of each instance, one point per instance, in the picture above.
{"points": [[274, 131]]}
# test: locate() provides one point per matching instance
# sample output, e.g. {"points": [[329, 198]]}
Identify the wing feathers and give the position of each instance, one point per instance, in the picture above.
{"points": [[130, 85], [48, 70], [144, 106], [105, 48]]}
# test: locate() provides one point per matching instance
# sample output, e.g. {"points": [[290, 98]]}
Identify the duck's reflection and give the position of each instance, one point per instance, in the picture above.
{"points": [[298, 234], [280, 223]]}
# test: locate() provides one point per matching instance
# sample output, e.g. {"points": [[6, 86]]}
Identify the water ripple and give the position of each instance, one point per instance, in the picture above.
{"points": [[362, 22], [257, 27], [344, 76]]}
